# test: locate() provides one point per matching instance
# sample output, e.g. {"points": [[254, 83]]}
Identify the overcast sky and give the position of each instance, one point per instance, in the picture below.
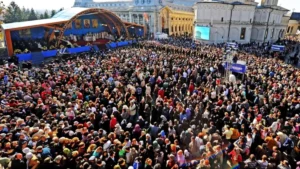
{"points": [[57, 4]]}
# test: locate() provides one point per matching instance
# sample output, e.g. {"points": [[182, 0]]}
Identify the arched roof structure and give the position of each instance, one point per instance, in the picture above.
{"points": [[63, 19]]}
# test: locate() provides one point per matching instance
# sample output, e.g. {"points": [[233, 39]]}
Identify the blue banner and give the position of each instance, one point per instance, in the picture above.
{"points": [[119, 44], [79, 49], [278, 48], [49, 53], [24, 57], [237, 68]]}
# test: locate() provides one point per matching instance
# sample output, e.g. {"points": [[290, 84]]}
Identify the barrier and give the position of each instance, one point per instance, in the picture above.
{"points": [[49, 53], [79, 49], [120, 44], [24, 57], [96, 48]]}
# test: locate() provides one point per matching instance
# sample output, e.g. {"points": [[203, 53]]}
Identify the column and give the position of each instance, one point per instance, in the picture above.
{"points": [[130, 17]]}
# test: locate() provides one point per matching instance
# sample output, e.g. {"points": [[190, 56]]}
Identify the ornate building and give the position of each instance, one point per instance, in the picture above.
{"points": [[240, 20], [294, 24], [168, 16]]}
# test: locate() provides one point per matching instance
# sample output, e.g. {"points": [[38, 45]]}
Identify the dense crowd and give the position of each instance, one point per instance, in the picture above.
{"points": [[159, 105]]}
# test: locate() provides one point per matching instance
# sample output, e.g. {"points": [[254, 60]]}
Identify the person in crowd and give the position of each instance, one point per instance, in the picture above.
{"points": [[159, 105]]}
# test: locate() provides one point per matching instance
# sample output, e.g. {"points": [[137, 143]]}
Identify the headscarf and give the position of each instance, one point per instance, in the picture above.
{"points": [[137, 128]]}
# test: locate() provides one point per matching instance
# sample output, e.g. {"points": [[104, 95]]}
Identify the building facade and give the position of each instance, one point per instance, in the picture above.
{"points": [[293, 28], [241, 21], [168, 16]]}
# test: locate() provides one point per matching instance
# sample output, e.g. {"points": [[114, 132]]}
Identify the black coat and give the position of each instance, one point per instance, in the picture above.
{"points": [[18, 164], [110, 163]]}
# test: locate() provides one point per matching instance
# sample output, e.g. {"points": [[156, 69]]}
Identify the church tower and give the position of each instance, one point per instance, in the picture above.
{"points": [[269, 2]]}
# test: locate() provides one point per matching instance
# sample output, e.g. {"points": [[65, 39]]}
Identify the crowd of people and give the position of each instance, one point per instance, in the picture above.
{"points": [[151, 106]]}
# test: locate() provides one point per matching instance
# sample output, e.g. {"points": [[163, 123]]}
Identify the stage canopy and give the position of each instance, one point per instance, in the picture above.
{"points": [[75, 21]]}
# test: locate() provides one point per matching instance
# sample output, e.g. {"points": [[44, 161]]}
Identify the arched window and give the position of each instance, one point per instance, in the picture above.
{"points": [[288, 30]]}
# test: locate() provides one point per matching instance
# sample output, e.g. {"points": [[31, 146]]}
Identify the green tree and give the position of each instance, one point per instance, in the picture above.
{"points": [[46, 15], [53, 12], [25, 14], [32, 15], [13, 13], [41, 16]]}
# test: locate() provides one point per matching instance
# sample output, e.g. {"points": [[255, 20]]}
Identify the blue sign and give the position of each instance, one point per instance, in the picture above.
{"points": [[237, 68], [278, 48], [233, 45]]}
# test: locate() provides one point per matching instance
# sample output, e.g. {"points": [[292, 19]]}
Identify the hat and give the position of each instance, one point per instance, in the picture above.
{"points": [[26, 150], [57, 158], [129, 125], [71, 133], [29, 155], [67, 151]]}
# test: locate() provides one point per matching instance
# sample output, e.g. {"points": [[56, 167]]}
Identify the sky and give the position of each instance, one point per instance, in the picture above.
{"points": [[292, 5]]}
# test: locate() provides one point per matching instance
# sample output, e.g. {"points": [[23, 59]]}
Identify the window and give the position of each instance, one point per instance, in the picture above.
{"points": [[222, 19], [273, 30], [292, 29], [243, 33], [266, 33], [288, 30], [172, 29], [250, 20], [299, 28]]}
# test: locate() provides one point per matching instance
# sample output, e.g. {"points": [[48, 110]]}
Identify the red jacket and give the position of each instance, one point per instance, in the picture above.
{"points": [[113, 122], [161, 93]]}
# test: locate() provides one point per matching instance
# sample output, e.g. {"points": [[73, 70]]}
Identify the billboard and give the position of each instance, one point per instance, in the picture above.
{"points": [[202, 33]]}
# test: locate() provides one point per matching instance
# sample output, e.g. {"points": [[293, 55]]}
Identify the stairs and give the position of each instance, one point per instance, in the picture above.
{"points": [[37, 58]]}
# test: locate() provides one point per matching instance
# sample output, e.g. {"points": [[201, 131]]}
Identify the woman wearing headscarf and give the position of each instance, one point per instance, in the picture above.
{"points": [[32, 161], [180, 158], [136, 133]]}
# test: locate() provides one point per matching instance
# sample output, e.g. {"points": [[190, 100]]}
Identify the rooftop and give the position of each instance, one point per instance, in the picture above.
{"points": [[295, 16]]}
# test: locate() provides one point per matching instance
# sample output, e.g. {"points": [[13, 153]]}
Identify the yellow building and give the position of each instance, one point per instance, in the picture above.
{"points": [[176, 22], [293, 28]]}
